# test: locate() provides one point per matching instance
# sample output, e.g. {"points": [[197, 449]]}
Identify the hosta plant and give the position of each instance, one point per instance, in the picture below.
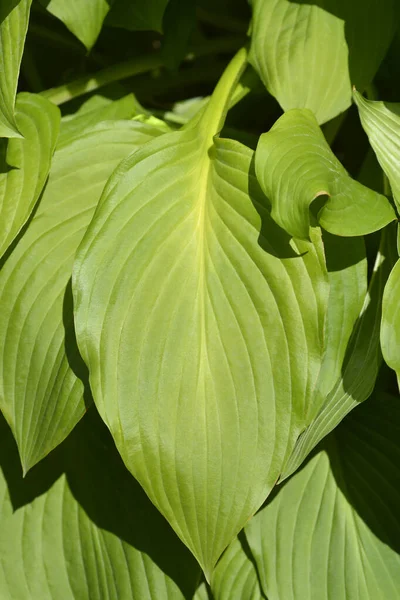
{"points": [[199, 292]]}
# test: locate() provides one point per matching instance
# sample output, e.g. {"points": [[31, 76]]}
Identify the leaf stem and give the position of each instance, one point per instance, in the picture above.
{"points": [[130, 68]]}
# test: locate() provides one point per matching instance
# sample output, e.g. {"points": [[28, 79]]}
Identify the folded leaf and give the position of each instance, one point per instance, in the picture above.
{"points": [[333, 529], [390, 328], [83, 19], [41, 372], [25, 163], [309, 53], [295, 165], [363, 359], [381, 122], [235, 575], [14, 19], [201, 325], [138, 15], [79, 526]]}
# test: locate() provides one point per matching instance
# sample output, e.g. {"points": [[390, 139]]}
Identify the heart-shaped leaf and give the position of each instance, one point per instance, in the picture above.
{"points": [[41, 392], [25, 163], [295, 165], [333, 529], [309, 53], [14, 19], [201, 325]]}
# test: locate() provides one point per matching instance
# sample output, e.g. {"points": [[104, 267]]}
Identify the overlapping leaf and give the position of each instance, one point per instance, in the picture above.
{"points": [[138, 15], [83, 19], [235, 575], [295, 165], [25, 163], [41, 392], [381, 121], [14, 19], [359, 370], [333, 530], [202, 327], [79, 526], [309, 53]]}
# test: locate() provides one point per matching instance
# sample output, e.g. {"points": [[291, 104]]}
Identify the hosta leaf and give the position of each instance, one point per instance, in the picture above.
{"points": [[333, 529], [295, 165], [83, 19], [25, 163], [362, 361], [137, 15], [41, 393], [201, 325], [309, 53], [79, 526], [14, 19], [179, 22], [91, 114], [390, 329], [235, 575], [381, 121]]}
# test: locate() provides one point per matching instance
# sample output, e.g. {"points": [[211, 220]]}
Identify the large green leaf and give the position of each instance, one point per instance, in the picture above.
{"points": [[83, 18], [41, 392], [79, 526], [235, 575], [360, 367], [333, 529], [14, 19], [295, 165], [95, 110], [202, 327], [138, 15], [308, 53], [381, 121], [25, 163]]}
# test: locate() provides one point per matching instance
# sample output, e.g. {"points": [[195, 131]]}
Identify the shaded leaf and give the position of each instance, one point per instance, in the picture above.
{"points": [[79, 526], [333, 529], [390, 328], [295, 165], [381, 121], [14, 19], [308, 53], [25, 163], [83, 19], [178, 24], [201, 325], [235, 575], [362, 361], [138, 15], [41, 372]]}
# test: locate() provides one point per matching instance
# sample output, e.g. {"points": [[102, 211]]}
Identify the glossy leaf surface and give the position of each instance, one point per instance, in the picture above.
{"points": [[41, 392], [202, 327], [79, 526], [333, 529], [25, 163], [295, 165], [14, 19], [309, 53]]}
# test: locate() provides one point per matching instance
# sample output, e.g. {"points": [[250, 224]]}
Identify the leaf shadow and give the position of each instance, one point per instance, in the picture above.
{"points": [[111, 498], [358, 45]]}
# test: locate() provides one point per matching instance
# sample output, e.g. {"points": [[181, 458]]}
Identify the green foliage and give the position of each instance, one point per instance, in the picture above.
{"points": [[199, 283]]}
